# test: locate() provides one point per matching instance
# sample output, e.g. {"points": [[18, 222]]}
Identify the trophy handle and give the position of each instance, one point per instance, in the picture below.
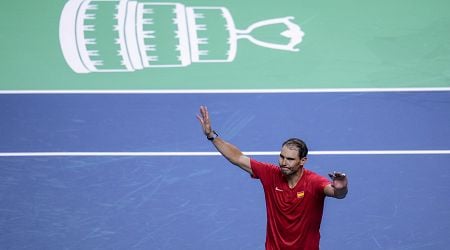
{"points": [[293, 32]]}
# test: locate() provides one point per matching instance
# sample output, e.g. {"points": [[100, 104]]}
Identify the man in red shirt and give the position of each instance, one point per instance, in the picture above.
{"points": [[294, 195]]}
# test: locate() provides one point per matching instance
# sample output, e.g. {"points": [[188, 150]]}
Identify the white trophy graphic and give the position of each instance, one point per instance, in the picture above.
{"points": [[127, 35]]}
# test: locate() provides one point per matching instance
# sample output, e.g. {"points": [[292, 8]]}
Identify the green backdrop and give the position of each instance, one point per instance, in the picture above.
{"points": [[347, 44]]}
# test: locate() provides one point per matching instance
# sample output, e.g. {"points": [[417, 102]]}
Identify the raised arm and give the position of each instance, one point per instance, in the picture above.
{"points": [[229, 151]]}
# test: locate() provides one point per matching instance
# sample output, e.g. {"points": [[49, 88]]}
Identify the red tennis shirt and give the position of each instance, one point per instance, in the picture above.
{"points": [[293, 214]]}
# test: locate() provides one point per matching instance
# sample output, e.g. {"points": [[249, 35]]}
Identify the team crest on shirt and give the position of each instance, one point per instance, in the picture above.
{"points": [[300, 194]]}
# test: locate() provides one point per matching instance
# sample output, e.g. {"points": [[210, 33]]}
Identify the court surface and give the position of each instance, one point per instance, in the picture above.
{"points": [[133, 171]]}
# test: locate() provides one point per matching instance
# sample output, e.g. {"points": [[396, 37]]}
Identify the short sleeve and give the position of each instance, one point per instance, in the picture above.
{"points": [[320, 182], [261, 170]]}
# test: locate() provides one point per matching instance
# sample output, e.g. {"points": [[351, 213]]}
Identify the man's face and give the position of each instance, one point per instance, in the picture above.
{"points": [[289, 160]]}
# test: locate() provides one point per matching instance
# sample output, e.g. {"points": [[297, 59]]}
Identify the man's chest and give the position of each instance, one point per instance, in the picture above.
{"points": [[282, 195]]}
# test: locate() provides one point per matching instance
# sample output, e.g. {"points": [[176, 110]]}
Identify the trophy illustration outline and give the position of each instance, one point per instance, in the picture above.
{"points": [[128, 35]]}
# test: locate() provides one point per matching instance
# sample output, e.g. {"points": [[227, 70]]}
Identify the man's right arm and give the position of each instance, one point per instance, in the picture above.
{"points": [[233, 154], [229, 151]]}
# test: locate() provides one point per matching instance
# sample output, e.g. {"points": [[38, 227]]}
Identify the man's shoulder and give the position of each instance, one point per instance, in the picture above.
{"points": [[258, 167], [257, 163], [310, 173], [313, 176]]}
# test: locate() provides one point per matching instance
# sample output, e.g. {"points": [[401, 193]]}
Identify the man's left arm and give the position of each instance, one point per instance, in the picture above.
{"points": [[338, 187]]}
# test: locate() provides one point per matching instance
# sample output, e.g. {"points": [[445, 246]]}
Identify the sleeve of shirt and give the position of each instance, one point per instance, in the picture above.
{"points": [[260, 170], [321, 182]]}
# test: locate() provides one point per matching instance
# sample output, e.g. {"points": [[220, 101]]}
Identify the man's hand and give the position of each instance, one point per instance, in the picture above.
{"points": [[339, 185], [339, 180], [204, 121]]}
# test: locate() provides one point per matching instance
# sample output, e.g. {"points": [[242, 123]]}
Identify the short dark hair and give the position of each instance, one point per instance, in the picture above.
{"points": [[299, 144]]}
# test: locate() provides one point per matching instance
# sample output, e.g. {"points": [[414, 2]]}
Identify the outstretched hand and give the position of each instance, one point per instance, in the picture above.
{"points": [[339, 180], [203, 117]]}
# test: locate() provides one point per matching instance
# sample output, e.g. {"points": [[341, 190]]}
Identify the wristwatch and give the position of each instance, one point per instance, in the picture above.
{"points": [[213, 136]]}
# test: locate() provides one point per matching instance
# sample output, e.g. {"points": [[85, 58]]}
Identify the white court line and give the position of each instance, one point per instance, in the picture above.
{"points": [[227, 91], [162, 154]]}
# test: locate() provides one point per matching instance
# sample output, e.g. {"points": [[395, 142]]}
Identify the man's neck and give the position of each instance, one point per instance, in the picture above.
{"points": [[293, 179]]}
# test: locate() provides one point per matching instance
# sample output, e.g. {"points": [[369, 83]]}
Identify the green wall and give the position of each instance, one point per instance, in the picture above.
{"points": [[347, 44]]}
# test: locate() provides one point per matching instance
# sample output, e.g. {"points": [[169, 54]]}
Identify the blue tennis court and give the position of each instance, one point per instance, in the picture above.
{"points": [[133, 171]]}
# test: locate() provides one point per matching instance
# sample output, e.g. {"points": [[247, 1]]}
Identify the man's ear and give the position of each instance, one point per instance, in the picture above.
{"points": [[303, 160]]}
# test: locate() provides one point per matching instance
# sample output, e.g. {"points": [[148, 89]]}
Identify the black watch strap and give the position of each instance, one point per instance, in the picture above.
{"points": [[213, 137]]}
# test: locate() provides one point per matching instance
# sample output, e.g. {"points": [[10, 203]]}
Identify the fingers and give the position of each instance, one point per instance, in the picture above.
{"points": [[203, 118], [203, 113], [200, 119], [337, 175], [339, 180]]}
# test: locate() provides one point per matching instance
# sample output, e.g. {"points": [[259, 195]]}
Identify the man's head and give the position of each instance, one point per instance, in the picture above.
{"points": [[292, 156], [298, 144]]}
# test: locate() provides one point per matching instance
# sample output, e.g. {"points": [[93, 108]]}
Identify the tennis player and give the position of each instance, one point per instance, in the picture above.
{"points": [[294, 195]]}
